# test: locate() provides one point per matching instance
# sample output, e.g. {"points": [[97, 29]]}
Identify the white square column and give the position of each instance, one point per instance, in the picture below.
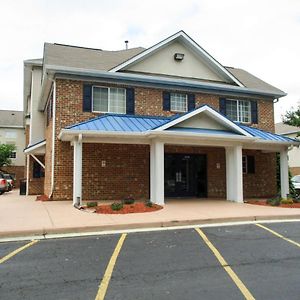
{"points": [[284, 174], [234, 174], [77, 172], [157, 180]]}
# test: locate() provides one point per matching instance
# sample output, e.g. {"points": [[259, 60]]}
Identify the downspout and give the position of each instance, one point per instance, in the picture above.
{"points": [[27, 174], [53, 138]]}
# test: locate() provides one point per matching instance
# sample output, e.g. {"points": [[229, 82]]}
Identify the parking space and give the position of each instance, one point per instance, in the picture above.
{"points": [[173, 264]]}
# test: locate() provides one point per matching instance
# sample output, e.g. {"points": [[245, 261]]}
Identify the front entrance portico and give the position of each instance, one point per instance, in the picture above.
{"points": [[185, 130]]}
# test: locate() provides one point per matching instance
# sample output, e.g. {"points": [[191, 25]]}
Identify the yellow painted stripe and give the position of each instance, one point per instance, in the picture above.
{"points": [[109, 269], [10, 255], [278, 235], [226, 267]]}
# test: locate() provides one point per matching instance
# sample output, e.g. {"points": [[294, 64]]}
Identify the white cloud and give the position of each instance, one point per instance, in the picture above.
{"points": [[260, 36]]}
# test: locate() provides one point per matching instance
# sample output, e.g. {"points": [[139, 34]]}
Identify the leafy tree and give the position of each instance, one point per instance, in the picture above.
{"points": [[292, 117], [5, 153]]}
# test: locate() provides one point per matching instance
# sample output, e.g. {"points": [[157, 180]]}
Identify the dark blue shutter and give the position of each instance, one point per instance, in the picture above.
{"points": [[191, 102], [87, 97], [254, 115], [130, 101], [166, 101], [222, 106]]}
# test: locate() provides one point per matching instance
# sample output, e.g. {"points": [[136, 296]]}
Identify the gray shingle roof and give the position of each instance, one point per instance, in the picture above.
{"points": [[11, 118], [281, 128], [251, 81], [102, 60], [86, 58]]}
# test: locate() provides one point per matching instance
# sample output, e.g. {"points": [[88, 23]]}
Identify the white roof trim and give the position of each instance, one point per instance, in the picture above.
{"points": [[190, 41], [30, 149], [213, 113]]}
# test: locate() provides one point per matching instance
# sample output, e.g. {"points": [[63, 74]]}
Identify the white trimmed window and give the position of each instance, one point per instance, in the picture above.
{"points": [[178, 102], [109, 100], [13, 154], [238, 110]]}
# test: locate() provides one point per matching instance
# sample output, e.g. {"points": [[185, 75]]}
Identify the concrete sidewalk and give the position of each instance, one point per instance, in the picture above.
{"points": [[21, 215]]}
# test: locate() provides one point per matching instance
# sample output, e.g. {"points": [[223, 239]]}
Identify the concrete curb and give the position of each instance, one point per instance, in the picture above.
{"points": [[43, 232]]}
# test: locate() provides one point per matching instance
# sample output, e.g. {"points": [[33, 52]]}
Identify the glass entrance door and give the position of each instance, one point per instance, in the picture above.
{"points": [[182, 175]]}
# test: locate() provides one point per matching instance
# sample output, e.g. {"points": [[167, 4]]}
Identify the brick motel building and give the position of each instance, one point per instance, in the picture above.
{"points": [[167, 121]]}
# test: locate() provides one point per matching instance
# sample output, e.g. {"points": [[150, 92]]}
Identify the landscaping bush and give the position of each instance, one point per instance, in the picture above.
{"points": [[92, 204], [116, 206], [149, 203], [274, 201], [128, 200], [287, 201]]}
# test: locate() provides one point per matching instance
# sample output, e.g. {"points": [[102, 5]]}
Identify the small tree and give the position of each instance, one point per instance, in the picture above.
{"points": [[5, 154], [292, 117]]}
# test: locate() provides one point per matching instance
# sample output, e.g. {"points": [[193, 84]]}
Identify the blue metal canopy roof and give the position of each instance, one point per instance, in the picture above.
{"points": [[137, 123]]}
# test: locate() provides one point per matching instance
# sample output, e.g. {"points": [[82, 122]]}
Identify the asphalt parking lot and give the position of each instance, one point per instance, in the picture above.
{"points": [[232, 262]]}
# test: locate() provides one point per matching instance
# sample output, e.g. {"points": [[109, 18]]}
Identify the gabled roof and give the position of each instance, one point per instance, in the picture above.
{"points": [[131, 124], [11, 118], [185, 39]]}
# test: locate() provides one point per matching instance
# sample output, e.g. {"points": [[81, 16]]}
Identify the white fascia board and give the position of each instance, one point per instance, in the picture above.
{"points": [[282, 143], [188, 41], [213, 113], [68, 134], [29, 149]]}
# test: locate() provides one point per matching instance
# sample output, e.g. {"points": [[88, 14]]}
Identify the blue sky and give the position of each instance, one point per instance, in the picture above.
{"points": [[260, 36]]}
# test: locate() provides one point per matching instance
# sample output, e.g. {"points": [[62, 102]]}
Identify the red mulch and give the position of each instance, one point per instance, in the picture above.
{"points": [[264, 203], [127, 209], [42, 198]]}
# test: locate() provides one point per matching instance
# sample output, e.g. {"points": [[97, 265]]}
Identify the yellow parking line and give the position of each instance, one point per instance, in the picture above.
{"points": [[109, 269], [278, 235], [226, 267], [10, 255]]}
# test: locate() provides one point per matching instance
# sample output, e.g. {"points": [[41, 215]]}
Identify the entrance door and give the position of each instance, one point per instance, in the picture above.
{"points": [[185, 175]]}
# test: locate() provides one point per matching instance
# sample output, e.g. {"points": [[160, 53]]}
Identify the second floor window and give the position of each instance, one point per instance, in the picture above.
{"points": [[178, 102], [13, 154], [238, 110], [109, 100]]}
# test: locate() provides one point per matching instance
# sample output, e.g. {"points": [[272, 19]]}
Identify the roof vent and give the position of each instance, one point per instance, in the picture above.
{"points": [[178, 56]]}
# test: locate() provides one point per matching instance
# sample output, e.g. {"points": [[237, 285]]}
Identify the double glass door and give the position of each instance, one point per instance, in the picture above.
{"points": [[185, 175]]}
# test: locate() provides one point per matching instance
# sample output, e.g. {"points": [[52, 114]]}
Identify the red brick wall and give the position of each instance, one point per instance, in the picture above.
{"points": [[36, 185], [147, 102]]}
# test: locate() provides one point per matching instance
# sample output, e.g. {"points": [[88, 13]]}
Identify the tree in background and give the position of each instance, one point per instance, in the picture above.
{"points": [[292, 117], [5, 154]]}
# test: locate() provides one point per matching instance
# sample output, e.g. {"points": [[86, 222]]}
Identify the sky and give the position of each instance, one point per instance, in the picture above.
{"points": [[260, 36]]}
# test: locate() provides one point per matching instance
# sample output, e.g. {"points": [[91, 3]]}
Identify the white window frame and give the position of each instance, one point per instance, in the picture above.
{"points": [[108, 95], [238, 110], [186, 103], [15, 155]]}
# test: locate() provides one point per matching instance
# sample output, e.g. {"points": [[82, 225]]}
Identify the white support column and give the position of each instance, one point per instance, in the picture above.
{"points": [[77, 172], [234, 174], [284, 173], [157, 193]]}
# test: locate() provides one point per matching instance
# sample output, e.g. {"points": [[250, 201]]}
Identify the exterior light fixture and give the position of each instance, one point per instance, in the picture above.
{"points": [[178, 56]]}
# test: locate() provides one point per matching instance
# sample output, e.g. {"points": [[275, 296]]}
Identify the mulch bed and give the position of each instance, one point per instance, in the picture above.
{"points": [[264, 203], [127, 209], [42, 198]]}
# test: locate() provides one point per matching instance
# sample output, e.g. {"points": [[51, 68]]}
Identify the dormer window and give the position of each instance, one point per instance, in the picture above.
{"points": [[111, 100]]}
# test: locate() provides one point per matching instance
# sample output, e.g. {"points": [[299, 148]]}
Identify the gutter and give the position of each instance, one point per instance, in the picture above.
{"points": [[150, 80]]}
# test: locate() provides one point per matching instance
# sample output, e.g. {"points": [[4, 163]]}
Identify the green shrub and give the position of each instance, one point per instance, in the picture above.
{"points": [[274, 201], [116, 206], [149, 203], [128, 200], [287, 201], [92, 204]]}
